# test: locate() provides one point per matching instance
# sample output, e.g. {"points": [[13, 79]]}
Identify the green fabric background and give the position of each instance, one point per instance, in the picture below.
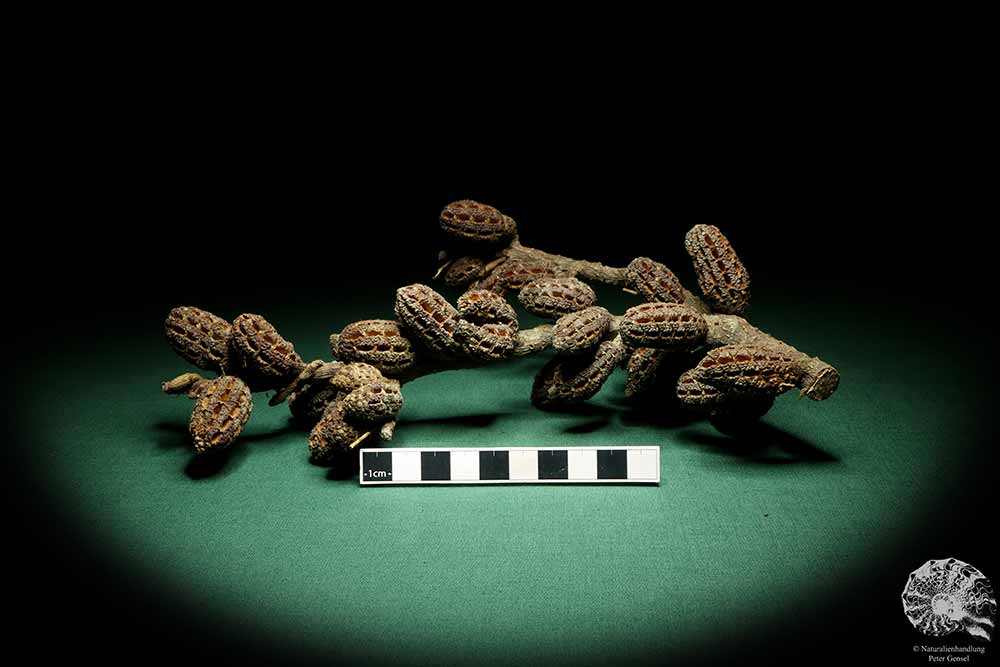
{"points": [[739, 538]]}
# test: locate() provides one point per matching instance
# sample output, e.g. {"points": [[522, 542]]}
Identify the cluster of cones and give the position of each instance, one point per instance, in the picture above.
{"points": [[682, 350]]}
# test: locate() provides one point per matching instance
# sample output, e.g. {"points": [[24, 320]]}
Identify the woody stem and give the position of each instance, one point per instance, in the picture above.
{"points": [[529, 341], [581, 268], [578, 267], [817, 379]]}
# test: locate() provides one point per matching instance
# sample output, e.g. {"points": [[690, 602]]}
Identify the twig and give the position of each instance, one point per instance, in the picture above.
{"points": [[440, 270], [576, 267], [818, 379], [308, 374], [529, 341]]}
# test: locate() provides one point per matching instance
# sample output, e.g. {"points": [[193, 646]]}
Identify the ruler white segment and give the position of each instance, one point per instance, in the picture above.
{"points": [[465, 465], [523, 465], [405, 465], [583, 464], [643, 464]]}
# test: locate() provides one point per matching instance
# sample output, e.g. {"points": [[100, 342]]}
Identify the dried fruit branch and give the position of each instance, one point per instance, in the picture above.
{"points": [[817, 379], [516, 265], [587, 270], [584, 269], [529, 341], [658, 337], [708, 358]]}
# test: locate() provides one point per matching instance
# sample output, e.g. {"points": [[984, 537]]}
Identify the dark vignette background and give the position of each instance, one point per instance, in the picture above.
{"points": [[862, 194]]}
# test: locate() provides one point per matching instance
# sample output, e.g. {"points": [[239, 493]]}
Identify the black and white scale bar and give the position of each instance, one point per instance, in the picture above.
{"points": [[511, 465]]}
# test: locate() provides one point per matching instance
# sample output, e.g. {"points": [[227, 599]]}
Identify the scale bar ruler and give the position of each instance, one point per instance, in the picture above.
{"points": [[510, 465]]}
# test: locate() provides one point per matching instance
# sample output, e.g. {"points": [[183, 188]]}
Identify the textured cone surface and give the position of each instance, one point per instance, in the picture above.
{"points": [[468, 220], [463, 271], [725, 410], [641, 371], [220, 413], [669, 326], [514, 275], [554, 297], [747, 369], [696, 394], [652, 376], [353, 375], [430, 318], [580, 332], [380, 343], [376, 402], [565, 380], [333, 433], [654, 281], [200, 337], [490, 283], [266, 356], [490, 342], [721, 275], [486, 307], [310, 401]]}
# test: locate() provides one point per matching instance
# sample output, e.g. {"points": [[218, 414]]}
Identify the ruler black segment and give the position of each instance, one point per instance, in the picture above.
{"points": [[435, 466], [612, 464], [553, 464], [494, 465], [376, 466]]}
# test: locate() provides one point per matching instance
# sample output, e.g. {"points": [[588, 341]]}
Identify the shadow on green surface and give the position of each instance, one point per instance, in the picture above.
{"points": [[589, 426], [579, 409], [461, 420], [342, 467], [641, 415], [211, 464], [171, 436], [760, 443]]}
